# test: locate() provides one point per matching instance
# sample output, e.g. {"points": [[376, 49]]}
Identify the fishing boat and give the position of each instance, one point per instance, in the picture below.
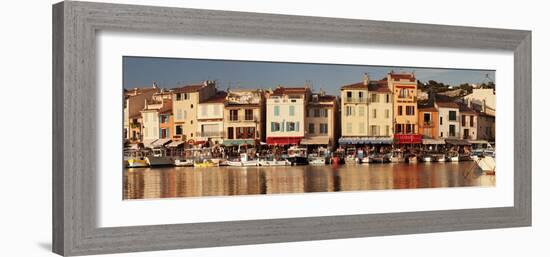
{"points": [[439, 157], [397, 156], [207, 163], [453, 156], [317, 161], [159, 158], [486, 163], [412, 158], [427, 158], [183, 162], [297, 155], [243, 161], [274, 162], [135, 159]]}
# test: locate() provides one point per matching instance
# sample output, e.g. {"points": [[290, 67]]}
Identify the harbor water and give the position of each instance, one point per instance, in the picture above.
{"points": [[168, 182]]}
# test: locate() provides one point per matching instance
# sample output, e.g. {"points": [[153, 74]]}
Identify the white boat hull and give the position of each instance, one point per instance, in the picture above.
{"points": [[275, 163], [158, 161], [486, 163], [183, 163]]}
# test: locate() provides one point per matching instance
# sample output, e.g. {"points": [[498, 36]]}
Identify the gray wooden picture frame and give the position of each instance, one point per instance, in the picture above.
{"points": [[74, 128]]}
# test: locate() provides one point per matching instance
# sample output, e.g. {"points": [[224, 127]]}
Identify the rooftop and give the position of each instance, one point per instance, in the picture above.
{"points": [[402, 76], [218, 98], [290, 90]]}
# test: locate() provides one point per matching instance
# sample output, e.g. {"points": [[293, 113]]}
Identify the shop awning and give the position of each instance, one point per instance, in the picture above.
{"points": [[477, 142], [314, 141], [161, 142], [365, 140], [457, 142], [230, 142], [407, 138], [175, 144], [149, 142], [428, 141], [283, 140]]}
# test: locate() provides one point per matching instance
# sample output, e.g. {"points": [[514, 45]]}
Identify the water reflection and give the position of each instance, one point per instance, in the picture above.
{"points": [[193, 182]]}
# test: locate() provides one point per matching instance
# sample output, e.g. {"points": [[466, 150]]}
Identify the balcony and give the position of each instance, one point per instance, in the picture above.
{"points": [[356, 100], [427, 124], [243, 118], [210, 134]]}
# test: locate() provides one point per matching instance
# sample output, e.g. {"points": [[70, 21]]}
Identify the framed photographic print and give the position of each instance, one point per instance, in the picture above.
{"points": [[183, 128]]}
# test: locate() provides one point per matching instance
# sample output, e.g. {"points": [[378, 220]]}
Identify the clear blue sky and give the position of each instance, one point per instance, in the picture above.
{"points": [[168, 72]]}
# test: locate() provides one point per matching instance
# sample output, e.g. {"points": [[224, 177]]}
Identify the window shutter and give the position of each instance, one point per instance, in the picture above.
{"points": [[297, 126]]}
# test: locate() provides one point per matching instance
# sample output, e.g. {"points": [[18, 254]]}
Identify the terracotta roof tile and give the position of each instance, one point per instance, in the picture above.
{"points": [[218, 98], [403, 76], [188, 88], [358, 86]]}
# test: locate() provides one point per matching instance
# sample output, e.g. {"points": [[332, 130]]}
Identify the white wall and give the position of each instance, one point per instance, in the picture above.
{"points": [[26, 59]]}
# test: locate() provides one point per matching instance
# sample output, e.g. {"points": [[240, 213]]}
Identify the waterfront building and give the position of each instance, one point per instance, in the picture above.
{"points": [[185, 104], [354, 111], [468, 123], [321, 117], [156, 121], [285, 115], [380, 110], [449, 119], [428, 118], [210, 119], [404, 89], [486, 126], [134, 102], [244, 117]]}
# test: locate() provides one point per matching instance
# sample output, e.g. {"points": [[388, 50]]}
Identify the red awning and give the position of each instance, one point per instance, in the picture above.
{"points": [[283, 140], [407, 138]]}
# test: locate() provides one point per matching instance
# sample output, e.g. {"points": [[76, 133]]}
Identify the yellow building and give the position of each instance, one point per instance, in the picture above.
{"points": [[210, 119], [244, 117], [404, 89], [134, 102], [354, 109], [185, 105], [321, 129]]}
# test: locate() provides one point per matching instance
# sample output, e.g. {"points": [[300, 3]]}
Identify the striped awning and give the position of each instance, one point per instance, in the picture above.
{"points": [[457, 142], [175, 144], [314, 141], [429, 141]]}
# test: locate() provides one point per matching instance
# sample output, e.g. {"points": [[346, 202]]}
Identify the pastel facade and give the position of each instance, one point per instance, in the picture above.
{"points": [[380, 110], [483, 100], [404, 89], [354, 109], [185, 104], [151, 117], [210, 119], [486, 127], [449, 120], [468, 123], [428, 122], [134, 102], [321, 117], [244, 117], [285, 115]]}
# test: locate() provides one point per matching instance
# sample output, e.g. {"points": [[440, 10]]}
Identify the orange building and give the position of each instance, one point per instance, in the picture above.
{"points": [[166, 120], [427, 122]]}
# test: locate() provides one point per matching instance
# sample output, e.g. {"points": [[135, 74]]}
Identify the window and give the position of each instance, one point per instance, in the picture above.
{"points": [[233, 115], [275, 126], [362, 128], [323, 128], [293, 100], [427, 118], [387, 98], [249, 114], [360, 95], [311, 128], [316, 112], [348, 127], [399, 110], [292, 126], [399, 128], [325, 113], [146, 117], [361, 111], [216, 110], [471, 120], [178, 97], [191, 106], [403, 93], [184, 115], [276, 111], [463, 120], [230, 133], [349, 96], [452, 130], [186, 97], [179, 114], [179, 130], [452, 115], [374, 130], [409, 110], [204, 110], [291, 110], [387, 114], [387, 130], [349, 110], [374, 113], [374, 98]]}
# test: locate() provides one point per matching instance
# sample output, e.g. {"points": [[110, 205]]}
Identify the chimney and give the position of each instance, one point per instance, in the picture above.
{"points": [[483, 106], [365, 79], [155, 84]]}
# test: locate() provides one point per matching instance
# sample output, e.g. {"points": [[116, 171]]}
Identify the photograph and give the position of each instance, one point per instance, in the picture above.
{"points": [[204, 127]]}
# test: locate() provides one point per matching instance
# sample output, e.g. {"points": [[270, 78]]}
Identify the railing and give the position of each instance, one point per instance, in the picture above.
{"points": [[428, 124], [355, 100], [211, 134], [243, 118]]}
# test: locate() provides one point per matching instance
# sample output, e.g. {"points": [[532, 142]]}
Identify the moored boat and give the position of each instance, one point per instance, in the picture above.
{"points": [[486, 163], [453, 156], [397, 156], [439, 157], [317, 161], [207, 163], [412, 158], [159, 158], [183, 162]]}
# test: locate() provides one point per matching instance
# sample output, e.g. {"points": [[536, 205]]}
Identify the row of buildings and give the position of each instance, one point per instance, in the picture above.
{"points": [[386, 111]]}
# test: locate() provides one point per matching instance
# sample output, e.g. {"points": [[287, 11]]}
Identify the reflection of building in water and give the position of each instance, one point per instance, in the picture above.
{"points": [[152, 184], [168, 184], [288, 180], [189, 182], [352, 178], [319, 180], [134, 186], [214, 183]]}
